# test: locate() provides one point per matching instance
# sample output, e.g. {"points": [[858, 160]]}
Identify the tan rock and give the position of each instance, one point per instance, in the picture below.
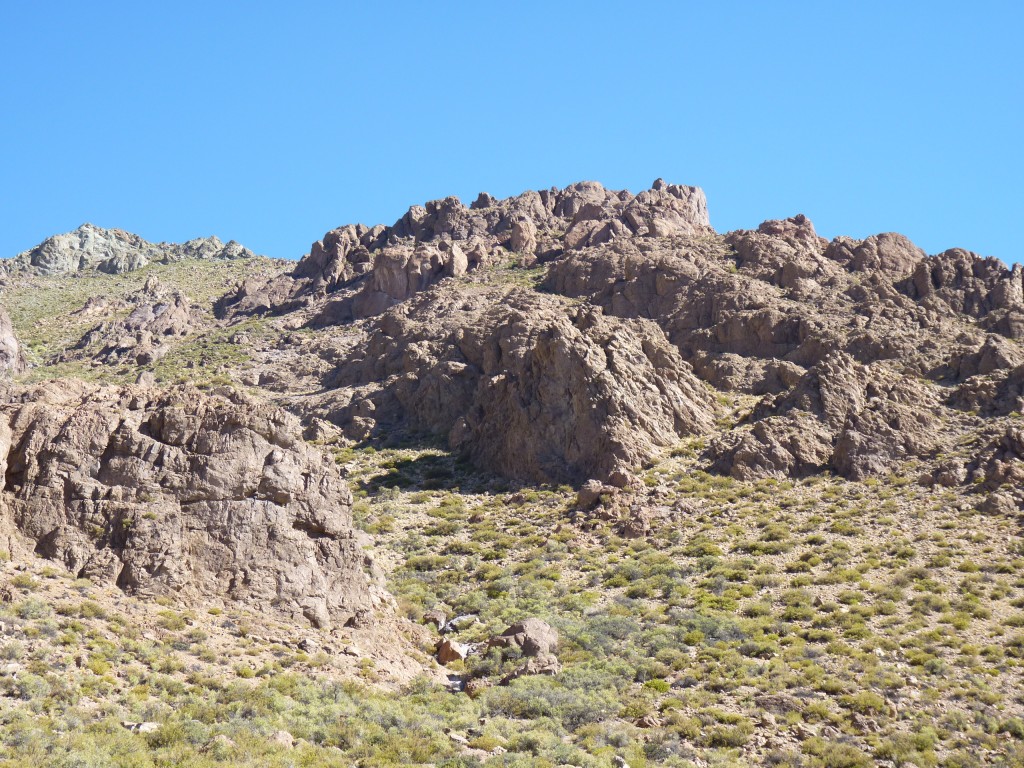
{"points": [[282, 739], [449, 650]]}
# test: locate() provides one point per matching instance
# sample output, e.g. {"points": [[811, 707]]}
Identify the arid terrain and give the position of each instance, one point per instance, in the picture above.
{"points": [[568, 478]]}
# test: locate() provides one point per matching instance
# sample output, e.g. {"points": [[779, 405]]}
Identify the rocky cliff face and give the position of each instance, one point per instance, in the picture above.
{"points": [[115, 251], [199, 497]]}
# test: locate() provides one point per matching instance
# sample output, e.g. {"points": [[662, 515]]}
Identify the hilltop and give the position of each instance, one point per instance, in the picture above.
{"points": [[758, 494]]}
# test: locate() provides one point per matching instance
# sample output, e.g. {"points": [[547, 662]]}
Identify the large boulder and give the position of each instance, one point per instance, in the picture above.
{"points": [[535, 637], [537, 640]]}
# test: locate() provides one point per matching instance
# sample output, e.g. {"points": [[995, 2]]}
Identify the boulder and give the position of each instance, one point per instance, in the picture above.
{"points": [[538, 642], [533, 636], [524, 238], [590, 493], [448, 651]]}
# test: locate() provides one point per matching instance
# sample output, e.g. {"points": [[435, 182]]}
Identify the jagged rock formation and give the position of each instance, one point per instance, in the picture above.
{"points": [[858, 420], [766, 312], [197, 497], [158, 317], [845, 340], [999, 394], [377, 267], [999, 462], [866, 354], [522, 382], [115, 251]]}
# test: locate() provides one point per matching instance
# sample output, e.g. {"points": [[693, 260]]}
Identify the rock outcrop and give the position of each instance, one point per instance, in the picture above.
{"points": [[999, 463], [998, 394], [534, 637], [195, 497], [115, 251], [573, 334], [778, 312], [158, 317], [524, 383], [537, 640], [374, 268], [853, 419], [12, 359]]}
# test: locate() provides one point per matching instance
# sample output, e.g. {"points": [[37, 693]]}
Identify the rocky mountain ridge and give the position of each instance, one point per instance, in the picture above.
{"points": [[771, 312], [634, 487], [635, 320], [760, 312], [114, 251]]}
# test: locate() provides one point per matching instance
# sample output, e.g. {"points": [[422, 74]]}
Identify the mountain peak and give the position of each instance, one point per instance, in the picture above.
{"points": [[91, 247]]}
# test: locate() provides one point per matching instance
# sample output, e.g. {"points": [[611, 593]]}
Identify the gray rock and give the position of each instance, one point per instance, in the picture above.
{"points": [[115, 251], [534, 636], [146, 727]]}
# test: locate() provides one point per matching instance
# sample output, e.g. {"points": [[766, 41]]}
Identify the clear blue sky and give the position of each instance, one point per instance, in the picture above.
{"points": [[271, 123]]}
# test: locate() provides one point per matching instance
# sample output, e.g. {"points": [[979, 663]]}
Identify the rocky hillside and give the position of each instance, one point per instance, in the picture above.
{"points": [[863, 352], [584, 480]]}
